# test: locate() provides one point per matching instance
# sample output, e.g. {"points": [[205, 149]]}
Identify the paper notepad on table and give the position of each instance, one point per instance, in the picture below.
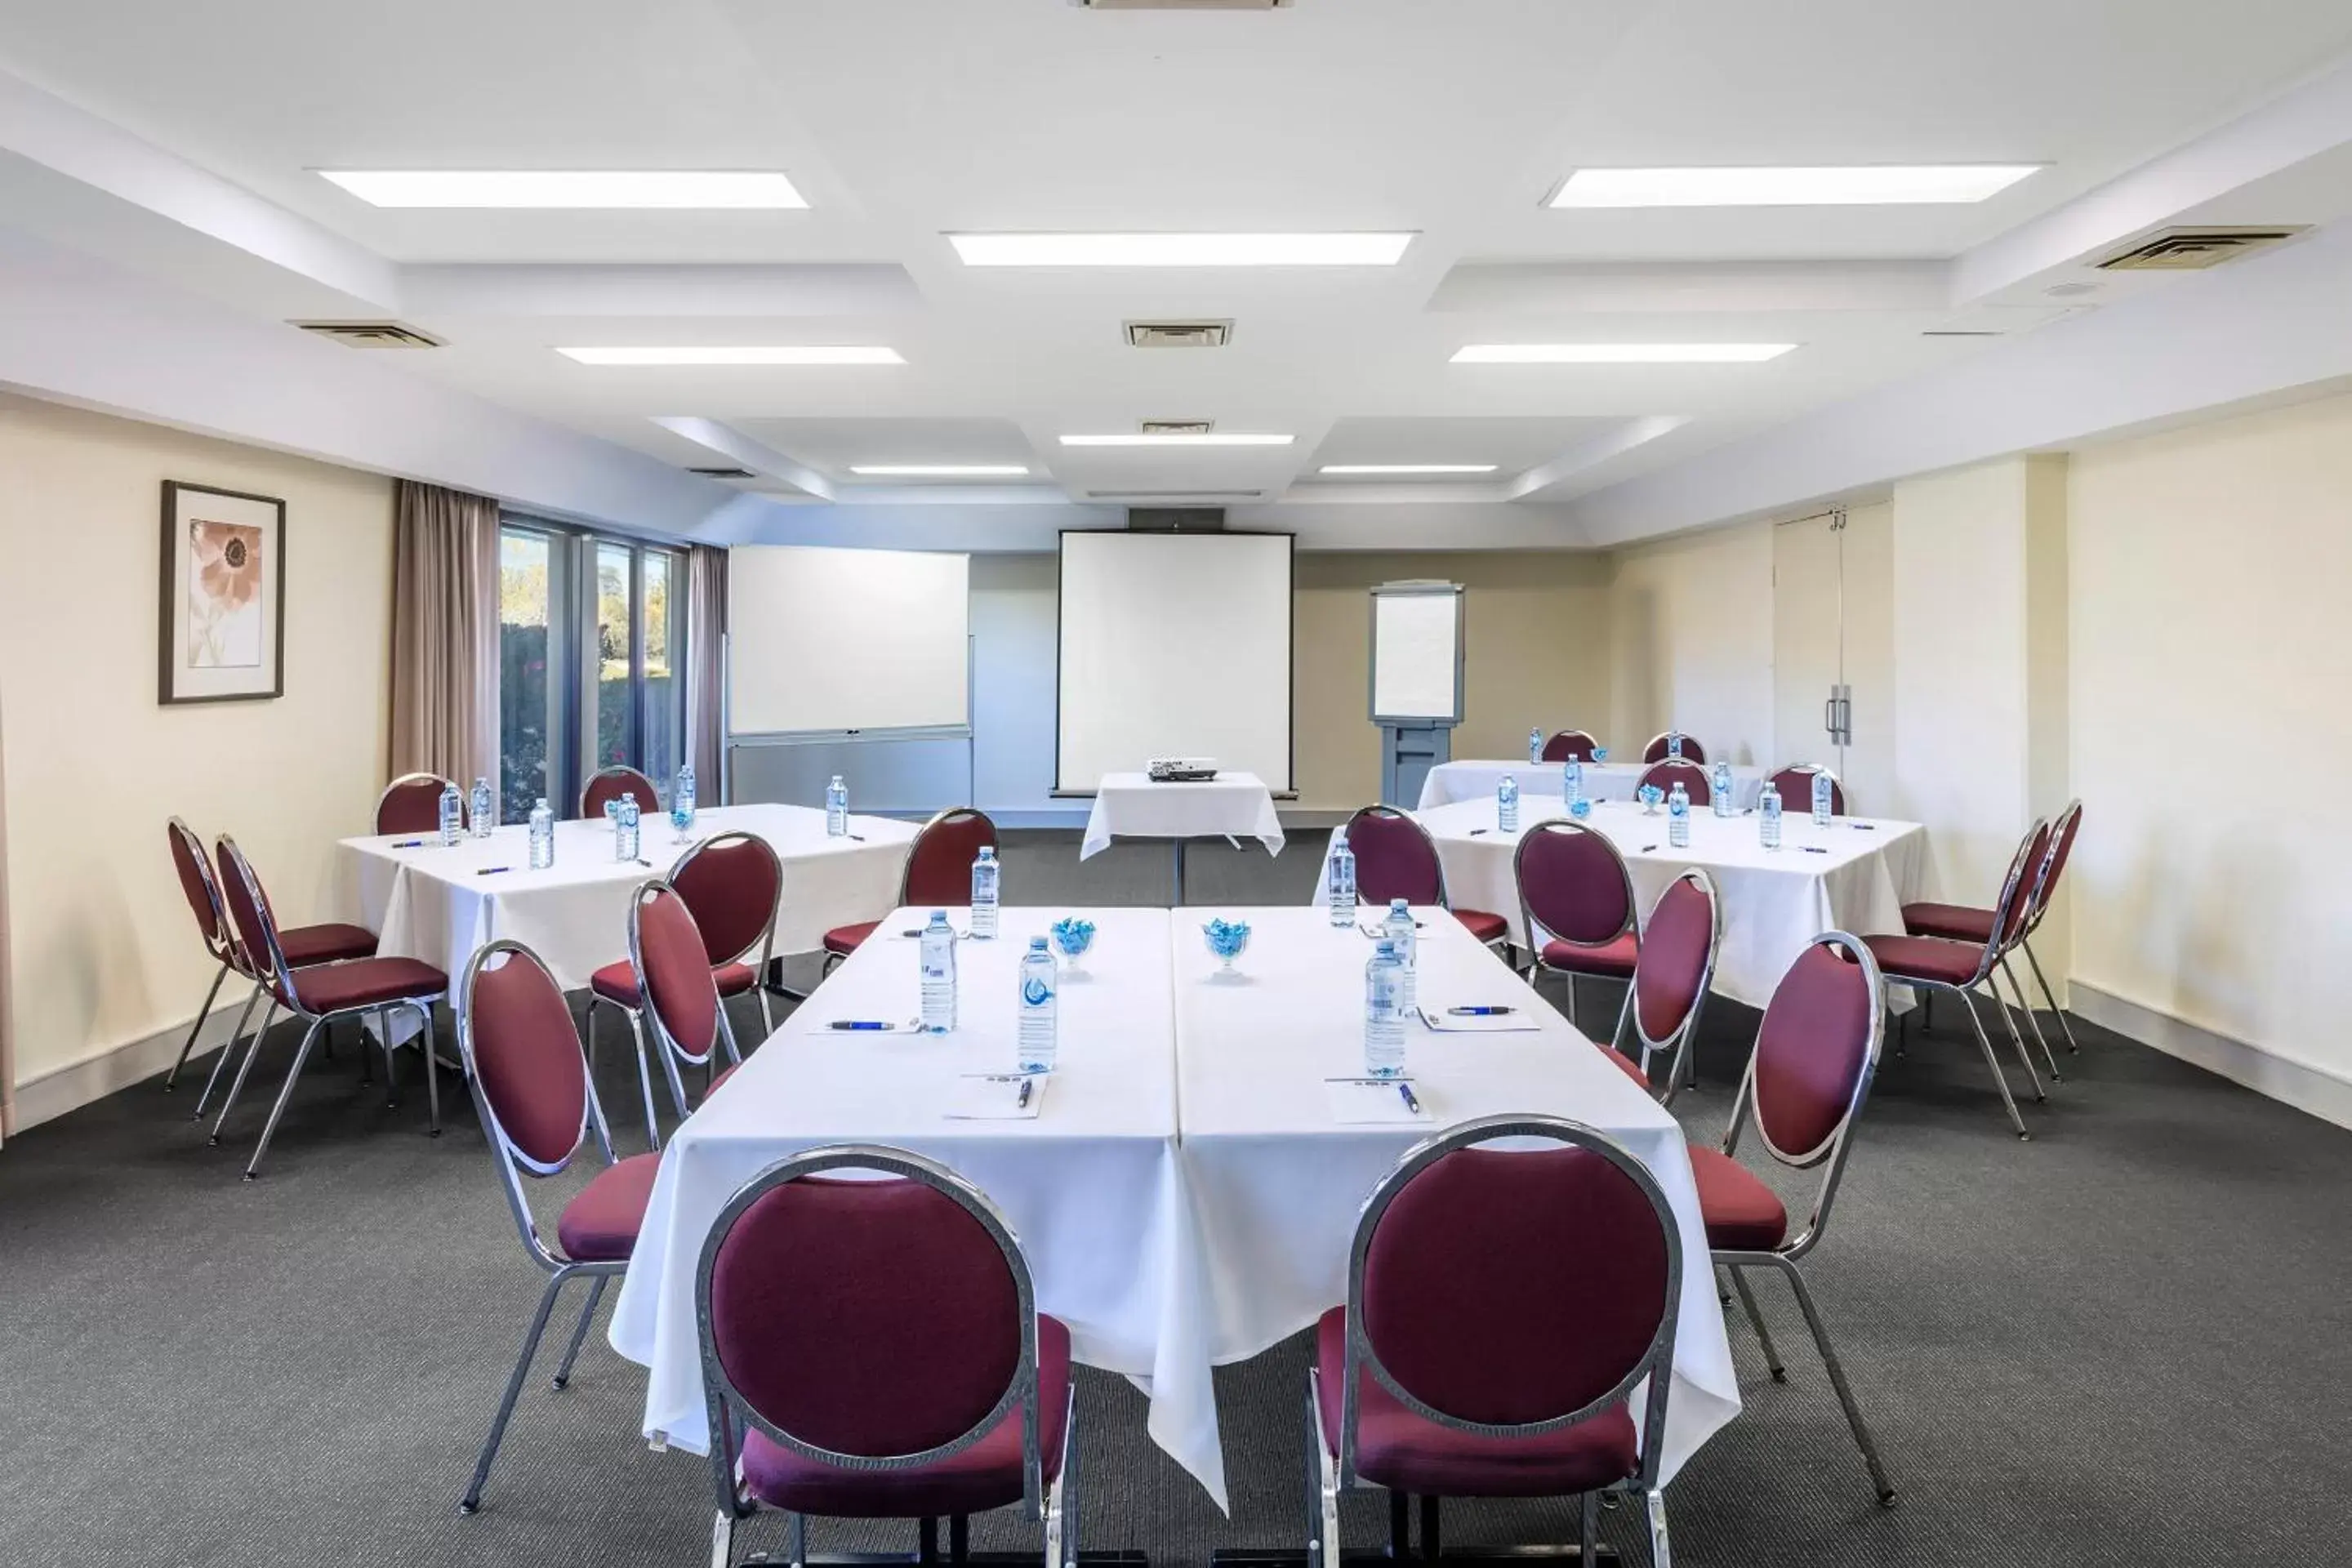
{"points": [[996, 1097], [1374, 1099], [1519, 1020]]}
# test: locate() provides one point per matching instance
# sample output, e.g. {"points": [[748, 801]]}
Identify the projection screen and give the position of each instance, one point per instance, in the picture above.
{"points": [[1174, 645]]}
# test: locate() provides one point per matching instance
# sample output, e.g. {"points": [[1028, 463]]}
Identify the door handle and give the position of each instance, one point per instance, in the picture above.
{"points": [[1829, 718]]}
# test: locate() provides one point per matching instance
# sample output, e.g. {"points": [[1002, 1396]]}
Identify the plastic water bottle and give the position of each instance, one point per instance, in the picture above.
{"points": [[1507, 804], [1341, 888], [985, 874], [836, 808], [1384, 1013], [1673, 742], [1398, 928], [1724, 803], [1678, 817], [681, 801], [1036, 1040], [1535, 747], [1571, 781], [1767, 816], [483, 807], [939, 965], [624, 829], [453, 814], [542, 836], [1821, 800]]}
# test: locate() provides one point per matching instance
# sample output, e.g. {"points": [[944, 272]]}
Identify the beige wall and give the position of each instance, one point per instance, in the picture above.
{"points": [[102, 950], [1691, 643]]}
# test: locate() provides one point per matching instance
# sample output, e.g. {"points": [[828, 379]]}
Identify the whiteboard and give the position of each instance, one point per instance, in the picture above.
{"points": [[825, 640], [1417, 655]]}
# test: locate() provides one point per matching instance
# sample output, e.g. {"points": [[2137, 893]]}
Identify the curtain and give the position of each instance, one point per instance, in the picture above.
{"points": [[444, 634], [706, 665]]}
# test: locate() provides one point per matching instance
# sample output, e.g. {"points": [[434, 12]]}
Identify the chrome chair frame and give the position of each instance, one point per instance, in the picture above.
{"points": [[1679, 1039], [1663, 737], [2012, 888], [1331, 1473], [671, 1051], [906, 870], [561, 1270], [1529, 924], [1444, 895], [1054, 1506], [376, 820], [1830, 1156], [2062, 828], [220, 943], [1842, 804], [649, 807]]}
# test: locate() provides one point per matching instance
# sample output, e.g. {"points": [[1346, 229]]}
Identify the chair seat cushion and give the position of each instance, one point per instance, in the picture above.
{"points": [[842, 940], [599, 1225], [366, 982], [1954, 922], [1400, 1450], [1626, 1065], [985, 1476], [306, 945], [1741, 1213], [1614, 959], [618, 982], [1486, 927], [1926, 958]]}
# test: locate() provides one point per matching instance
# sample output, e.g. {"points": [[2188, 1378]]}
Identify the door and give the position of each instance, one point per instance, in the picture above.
{"points": [[1833, 649]]}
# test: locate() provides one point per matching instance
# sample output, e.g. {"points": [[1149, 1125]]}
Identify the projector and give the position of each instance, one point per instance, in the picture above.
{"points": [[1180, 770]]}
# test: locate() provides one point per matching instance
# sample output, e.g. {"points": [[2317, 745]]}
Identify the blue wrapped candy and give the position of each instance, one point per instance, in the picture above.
{"points": [[1227, 937], [1073, 935]]}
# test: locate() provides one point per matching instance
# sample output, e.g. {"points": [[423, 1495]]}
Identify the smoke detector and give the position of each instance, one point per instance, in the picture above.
{"points": [[371, 334], [2193, 249], [1179, 334]]}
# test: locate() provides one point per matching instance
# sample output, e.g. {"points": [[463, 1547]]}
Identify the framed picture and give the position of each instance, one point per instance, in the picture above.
{"points": [[224, 592]]}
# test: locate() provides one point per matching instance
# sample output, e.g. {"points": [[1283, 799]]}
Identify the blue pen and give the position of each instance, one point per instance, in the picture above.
{"points": [[858, 1023], [410, 843], [492, 870], [1478, 1012]]}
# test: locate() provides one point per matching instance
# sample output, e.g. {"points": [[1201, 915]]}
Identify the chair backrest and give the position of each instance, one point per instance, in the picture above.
{"points": [[2062, 829], [1816, 1051], [731, 881], [611, 783], [1656, 750], [1795, 784], [411, 804], [1676, 966], [1570, 743], [861, 1323], [1394, 857], [673, 970], [253, 922], [1510, 1293], [201, 892], [938, 863], [1681, 771], [1573, 883]]}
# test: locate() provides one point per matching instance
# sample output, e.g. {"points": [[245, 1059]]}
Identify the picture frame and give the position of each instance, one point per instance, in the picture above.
{"points": [[221, 635]]}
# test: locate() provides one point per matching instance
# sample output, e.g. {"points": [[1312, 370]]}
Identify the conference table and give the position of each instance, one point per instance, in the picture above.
{"points": [[1184, 1192], [1231, 806], [1476, 778]]}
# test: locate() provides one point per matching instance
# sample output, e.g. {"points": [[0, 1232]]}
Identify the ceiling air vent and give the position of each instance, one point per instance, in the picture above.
{"points": [[2191, 249], [1181, 5], [1179, 426], [1179, 334], [1961, 333], [372, 335], [1178, 497], [728, 472]]}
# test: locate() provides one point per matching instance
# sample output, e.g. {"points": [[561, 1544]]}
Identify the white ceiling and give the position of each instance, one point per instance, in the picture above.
{"points": [[902, 119]]}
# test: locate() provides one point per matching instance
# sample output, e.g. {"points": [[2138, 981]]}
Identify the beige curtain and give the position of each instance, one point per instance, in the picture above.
{"points": [[444, 634], [706, 665]]}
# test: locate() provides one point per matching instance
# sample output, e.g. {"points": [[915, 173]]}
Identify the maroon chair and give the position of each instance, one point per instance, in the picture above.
{"points": [[538, 1104], [1931, 965], [1670, 983], [411, 804], [321, 995], [877, 1345], [1576, 905], [1503, 1307], [607, 786], [1816, 1050], [670, 969], [1795, 784], [1396, 858], [938, 873], [1962, 922], [1680, 771], [1570, 743], [1662, 746]]}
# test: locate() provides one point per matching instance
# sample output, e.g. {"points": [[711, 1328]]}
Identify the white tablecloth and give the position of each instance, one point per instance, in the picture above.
{"points": [[1475, 780], [1230, 805], [432, 903]]}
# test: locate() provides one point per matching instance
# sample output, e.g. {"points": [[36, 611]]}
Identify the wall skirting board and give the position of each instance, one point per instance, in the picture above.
{"points": [[94, 1078], [2309, 1088]]}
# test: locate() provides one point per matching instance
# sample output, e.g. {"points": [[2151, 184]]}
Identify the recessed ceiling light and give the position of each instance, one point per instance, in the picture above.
{"points": [[1619, 353], [1822, 187], [1406, 468], [787, 353], [1180, 249], [1213, 438], [939, 470], [568, 187]]}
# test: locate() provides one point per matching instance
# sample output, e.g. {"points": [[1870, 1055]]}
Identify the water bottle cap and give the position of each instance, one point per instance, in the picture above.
{"points": [[542, 800], [1398, 906], [1037, 944], [938, 917], [1386, 949], [628, 797], [987, 852]]}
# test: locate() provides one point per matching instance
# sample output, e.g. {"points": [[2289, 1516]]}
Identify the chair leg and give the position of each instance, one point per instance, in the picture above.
{"points": [[644, 1078], [2032, 1022], [722, 1538], [1984, 1043], [2050, 996], [1571, 1001], [727, 1033], [424, 1044], [1624, 1012], [285, 1094], [1065, 1492], [1837, 1380], [1322, 1486], [2016, 1040], [172, 1077], [1654, 1506], [767, 1019], [236, 1036], [473, 1498], [1433, 1528], [1588, 1530], [1756, 1316], [669, 1071], [580, 1331], [244, 1065]]}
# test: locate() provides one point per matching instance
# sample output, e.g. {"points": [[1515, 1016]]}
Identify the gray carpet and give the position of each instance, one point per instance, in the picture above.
{"points": [[2125, 1342]]}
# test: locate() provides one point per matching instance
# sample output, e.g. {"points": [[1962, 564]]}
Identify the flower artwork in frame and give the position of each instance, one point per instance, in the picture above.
{"points": [[223, 595]]}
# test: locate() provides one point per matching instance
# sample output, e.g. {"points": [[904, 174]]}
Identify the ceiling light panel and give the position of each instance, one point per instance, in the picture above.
{"points": [[1213, 438], [572, 188], [1180, 249], [772, 355], [1888, 184], [1379, 468], [1619, 353], [939, 470]]}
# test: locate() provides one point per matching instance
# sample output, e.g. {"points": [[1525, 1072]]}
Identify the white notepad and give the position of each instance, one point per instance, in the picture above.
{"points": [[996, 1097], [1520, 1021], [1374, 1099]]}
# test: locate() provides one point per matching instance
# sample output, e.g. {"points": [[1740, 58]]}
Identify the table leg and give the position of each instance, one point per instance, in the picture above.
{"points": [[1178, 846]]}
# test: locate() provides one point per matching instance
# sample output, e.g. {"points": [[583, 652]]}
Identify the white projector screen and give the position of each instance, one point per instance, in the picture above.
{"points": [[822, 639], [1174, 645]]}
